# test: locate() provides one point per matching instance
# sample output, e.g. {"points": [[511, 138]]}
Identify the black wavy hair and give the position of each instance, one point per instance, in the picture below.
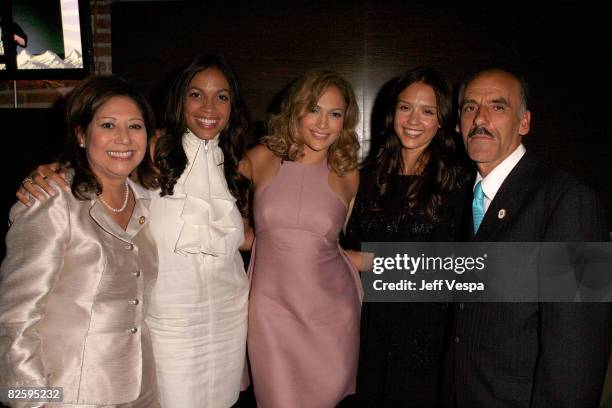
{"points": [[170, 157]]}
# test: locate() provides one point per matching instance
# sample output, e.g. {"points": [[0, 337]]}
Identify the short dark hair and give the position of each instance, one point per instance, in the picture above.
{"points": [[523, 87], [81, 106]]}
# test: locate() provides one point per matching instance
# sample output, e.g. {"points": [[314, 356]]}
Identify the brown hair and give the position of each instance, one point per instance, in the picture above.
{"points": [[440, 171], [81, 106], [284, 138]]}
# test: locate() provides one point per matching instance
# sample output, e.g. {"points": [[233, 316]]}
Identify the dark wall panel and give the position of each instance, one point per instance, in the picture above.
{"points": [[30, 137], [561, 51], [267, 44]]}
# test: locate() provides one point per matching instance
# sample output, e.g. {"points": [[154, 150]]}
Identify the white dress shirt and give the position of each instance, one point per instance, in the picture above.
{"points": [[493, 181]]}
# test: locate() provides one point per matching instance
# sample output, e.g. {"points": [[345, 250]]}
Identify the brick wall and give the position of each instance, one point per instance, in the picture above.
{"points": [[44, 93]]}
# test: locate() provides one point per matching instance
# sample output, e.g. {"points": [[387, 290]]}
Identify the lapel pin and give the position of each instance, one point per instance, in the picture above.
{"points": [[501, 214]]}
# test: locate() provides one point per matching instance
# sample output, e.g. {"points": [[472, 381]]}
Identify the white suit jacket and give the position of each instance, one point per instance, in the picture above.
{"points": [[71, 298]]}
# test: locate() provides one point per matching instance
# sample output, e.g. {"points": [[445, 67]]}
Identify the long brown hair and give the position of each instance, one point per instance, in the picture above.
{"points": [[170, 156], [440, 171], [284, 138]]}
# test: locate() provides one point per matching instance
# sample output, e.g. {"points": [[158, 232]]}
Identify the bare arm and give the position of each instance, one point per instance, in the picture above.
{"points": [[249, 236], [354, 256], [258, 166], [362, 261]]}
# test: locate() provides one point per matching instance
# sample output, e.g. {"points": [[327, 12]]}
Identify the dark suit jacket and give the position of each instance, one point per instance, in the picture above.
{"points": [[534, 354]]}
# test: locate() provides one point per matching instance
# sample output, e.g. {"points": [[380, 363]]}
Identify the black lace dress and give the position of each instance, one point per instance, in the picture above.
{"points": [[402, 344]]}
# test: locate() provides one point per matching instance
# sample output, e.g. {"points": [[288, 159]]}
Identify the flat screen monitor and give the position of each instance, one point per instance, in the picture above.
{"points": [[44, 39]]}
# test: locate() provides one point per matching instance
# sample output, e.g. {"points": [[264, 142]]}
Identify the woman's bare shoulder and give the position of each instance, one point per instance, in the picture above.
{"points": [[261, 157], [260, 152], [350, 181]]}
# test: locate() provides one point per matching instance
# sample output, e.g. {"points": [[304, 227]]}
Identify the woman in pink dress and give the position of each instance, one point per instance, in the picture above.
{"points": [[304, 307]]}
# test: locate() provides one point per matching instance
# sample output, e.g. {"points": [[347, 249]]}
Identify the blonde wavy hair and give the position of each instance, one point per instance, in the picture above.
{"points": [[284, 138]]}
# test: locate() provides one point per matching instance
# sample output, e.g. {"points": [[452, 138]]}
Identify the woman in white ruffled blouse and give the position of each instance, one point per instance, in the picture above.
{"points": [[197, 314], [198, 308]]}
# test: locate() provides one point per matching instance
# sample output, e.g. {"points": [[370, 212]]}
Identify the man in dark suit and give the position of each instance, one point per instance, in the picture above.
{"points": [[524, 354]]}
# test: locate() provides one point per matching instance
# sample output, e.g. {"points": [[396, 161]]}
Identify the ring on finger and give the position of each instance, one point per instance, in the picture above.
{"points": [[45, 177], [27, 180]]}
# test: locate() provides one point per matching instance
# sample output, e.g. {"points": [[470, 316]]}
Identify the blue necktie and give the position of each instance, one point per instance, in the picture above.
{"points": [[478, 206]]}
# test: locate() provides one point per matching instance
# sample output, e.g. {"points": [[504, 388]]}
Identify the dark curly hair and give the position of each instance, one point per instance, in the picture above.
{"points": [[440, 170], [170, 157], [81, 106]]}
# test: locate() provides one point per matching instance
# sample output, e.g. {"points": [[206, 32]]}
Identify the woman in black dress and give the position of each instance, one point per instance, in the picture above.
{"points": [[412, 191]]}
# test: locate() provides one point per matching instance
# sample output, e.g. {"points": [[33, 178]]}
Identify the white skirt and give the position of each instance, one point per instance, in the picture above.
{"points": [[197, 316]]}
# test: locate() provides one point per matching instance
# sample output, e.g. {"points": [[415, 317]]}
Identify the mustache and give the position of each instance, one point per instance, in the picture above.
{"points": [[480, 130]]}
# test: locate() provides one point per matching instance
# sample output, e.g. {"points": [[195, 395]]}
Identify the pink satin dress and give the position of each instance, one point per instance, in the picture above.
{"points": [[305, 302]]}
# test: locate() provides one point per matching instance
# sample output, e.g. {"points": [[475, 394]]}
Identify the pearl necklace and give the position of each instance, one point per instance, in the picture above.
{"points": [[125, 200]]}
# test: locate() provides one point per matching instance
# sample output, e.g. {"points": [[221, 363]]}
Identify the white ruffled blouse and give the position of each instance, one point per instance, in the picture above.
{"points": [[209, 213]]}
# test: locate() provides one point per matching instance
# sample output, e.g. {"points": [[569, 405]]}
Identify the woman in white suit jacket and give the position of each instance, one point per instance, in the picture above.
{"points": [[73, 283]]}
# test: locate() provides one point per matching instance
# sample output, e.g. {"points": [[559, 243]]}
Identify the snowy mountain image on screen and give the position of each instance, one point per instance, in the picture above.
{"points": [[48, 60]]}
